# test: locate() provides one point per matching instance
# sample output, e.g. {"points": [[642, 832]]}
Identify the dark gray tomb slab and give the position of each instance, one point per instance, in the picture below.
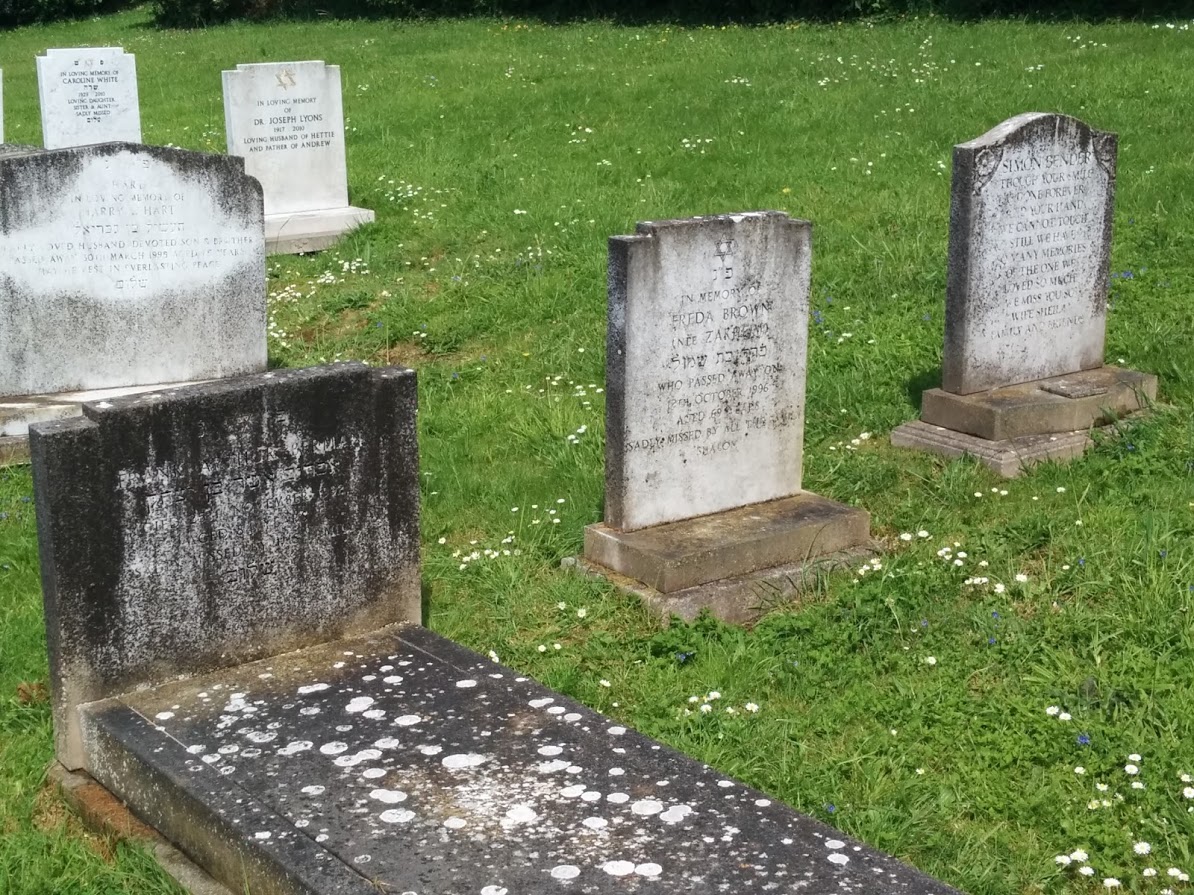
{"points": [[202, 527], [1023, 377], [190, 538], [706, 355]]}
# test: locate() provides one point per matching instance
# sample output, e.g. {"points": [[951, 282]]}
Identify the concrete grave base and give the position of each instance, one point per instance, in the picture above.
{"points": [[106, 815], [400, 762], [18, 412], [1069, 403], [311, 231], [739, 600], [732, 562], [1008, 458]]}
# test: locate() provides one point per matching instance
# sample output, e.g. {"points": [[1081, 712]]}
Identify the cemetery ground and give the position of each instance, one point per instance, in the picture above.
{"points": [[1007, 682]]}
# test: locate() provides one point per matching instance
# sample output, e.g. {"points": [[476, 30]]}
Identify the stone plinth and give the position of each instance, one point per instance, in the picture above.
{"points": [[196, 528], [1067, 403], [680, 555], [286, 120], [88, 95]]}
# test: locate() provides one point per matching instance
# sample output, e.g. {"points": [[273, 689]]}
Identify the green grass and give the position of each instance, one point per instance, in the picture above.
{"points": [[499, 156]]}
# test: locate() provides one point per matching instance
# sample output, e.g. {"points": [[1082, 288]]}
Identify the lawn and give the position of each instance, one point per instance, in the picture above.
{"points": [[977, 730]]}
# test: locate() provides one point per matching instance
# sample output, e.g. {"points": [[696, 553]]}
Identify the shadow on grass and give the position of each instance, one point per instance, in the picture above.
{"points": [[920, 382]]}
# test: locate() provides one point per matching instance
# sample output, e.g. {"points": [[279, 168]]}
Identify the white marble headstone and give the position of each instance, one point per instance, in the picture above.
{"points": [[123, 264], [705, 366], [1029, 250], [286, 120], [88, 95]]}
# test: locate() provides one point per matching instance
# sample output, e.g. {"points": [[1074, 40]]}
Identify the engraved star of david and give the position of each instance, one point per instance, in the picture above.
{"points": [[285, 78]]}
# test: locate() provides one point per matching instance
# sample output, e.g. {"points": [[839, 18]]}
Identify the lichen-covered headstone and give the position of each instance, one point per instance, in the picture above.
{"points": [[88, 95], [705, 366], [1029, 248], [123, 264], [198, 528]]}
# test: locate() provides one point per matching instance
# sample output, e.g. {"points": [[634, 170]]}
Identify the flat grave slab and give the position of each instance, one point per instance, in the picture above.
{"points": [[400, 762], [1009, 458]]}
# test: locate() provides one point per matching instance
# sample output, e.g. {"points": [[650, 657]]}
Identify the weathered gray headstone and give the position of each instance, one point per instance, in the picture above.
{"points": [[195, 529], [706, 353], [1030, 243], [705, 368], [125, 265], [88, 95], [1026, 304], [286, 120]]}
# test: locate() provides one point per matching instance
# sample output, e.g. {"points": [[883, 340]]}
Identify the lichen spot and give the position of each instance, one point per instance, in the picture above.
{"points": [[838, 858], [834, 843], [389, 796], [164, 716], [539, 703], [616, 731], [466, 684], [648, 870], [312, 790], [407, 720], [334, 748], [397, 816], [358, 704], [312, 688], [565, 871], [618, 868], [455, 823], [549, 751], [462, 761], [646, 807], [495, 890], [522, 814]]}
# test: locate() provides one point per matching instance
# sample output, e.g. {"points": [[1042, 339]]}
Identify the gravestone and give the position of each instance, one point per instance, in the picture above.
{"points": [[232, 591], [706, 354], [123, 267], [286, 120], [1023, 376], [88, 95]]}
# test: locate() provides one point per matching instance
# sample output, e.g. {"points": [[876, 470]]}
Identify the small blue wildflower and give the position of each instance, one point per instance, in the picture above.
{"points": [[924, 622], [994, 614], [927, 317], [1083, 739], [455, 375], [817, 317], [831, 808], [1081, 560], [684, 657], [1164, 553], [990, 641], [378, 324], [829, 300], [1130, 446], [26, 499]]}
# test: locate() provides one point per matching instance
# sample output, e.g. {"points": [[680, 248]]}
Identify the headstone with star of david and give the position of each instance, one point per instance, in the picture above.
{"points": [[88, 95], [286, 119]]}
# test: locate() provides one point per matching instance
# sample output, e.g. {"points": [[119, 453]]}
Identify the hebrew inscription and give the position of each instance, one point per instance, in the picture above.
{"points": [[709, 405], [1029, 256]]}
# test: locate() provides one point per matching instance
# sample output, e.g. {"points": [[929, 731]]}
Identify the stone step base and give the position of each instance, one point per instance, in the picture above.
{"points": [[401, 762], [676, 556], [1009, 458], [311, 231], [1062, 404]]}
